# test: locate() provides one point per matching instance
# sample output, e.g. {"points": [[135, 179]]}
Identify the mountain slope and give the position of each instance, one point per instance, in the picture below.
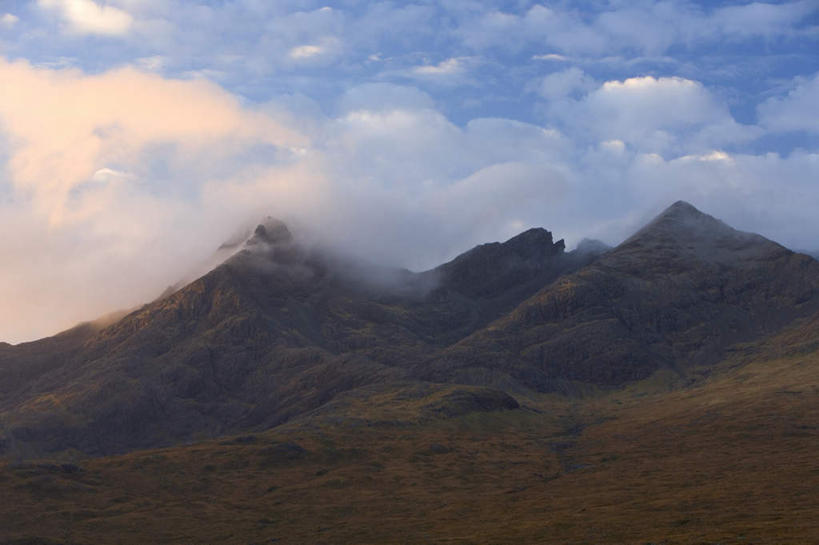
{"points": [[279, 330], [695, 346], [676, 294], [730, 459], [273, 332]]}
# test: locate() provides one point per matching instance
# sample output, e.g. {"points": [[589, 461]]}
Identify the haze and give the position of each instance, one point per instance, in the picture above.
{"points": [[137, 135]]}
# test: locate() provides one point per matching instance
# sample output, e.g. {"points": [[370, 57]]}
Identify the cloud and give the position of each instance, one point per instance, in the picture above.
{"points": [[559, 85], [539, 25], [761, 19], [650, 28], [8, 20], [550, 57], [444, 68], [305, 51], [103, 177], [89, 17], [384, 96], [798, 111], [97, 126], [655, 115]]}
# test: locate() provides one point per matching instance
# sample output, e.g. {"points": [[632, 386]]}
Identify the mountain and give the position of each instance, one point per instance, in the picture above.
{"points": [[280, 329], [729, 459], [518, 393], [276, 330], [675, 295]]}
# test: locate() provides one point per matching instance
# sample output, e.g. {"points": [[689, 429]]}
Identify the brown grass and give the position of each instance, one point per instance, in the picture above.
{"points": [[732, 460]]}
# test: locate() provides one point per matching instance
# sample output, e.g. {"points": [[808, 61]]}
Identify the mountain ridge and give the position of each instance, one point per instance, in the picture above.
{"points": [[648, 303], [279, 330], [274, 331]]}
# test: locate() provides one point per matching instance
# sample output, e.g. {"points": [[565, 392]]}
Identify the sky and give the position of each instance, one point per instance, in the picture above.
{"points": [[137, 135]]}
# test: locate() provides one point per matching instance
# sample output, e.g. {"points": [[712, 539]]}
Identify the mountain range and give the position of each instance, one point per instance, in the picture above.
{"points": [[517, 371]]}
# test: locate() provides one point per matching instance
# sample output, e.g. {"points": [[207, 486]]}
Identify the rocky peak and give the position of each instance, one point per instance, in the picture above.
{"points": [[271, 231], [489, 269], [683, 220], [534, 243], [684, 232]]}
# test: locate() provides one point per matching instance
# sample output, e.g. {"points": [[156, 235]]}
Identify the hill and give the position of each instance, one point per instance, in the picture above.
{"points": [[729, 459]]}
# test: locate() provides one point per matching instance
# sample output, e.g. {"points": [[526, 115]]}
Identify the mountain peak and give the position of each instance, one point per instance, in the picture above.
{"points": [[687, 216], [490, 269], [534, 243], [685, 223], [532, 246], [684, 230], [683, 208], [271, 231]]}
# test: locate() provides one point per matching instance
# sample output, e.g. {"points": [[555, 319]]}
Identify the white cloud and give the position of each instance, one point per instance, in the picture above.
{"points": [[97, 125], [444, 68], [89, 17], [539, 25], [550, 57], [660, 115], [322, 51], [650, 28], [8, 20], [798, 111], [103, 175], [761, 19], [617, 147], [305, 51]]}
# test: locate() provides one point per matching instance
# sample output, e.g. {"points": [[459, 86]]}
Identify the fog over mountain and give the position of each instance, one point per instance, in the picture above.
{"points": [[403, 134]]}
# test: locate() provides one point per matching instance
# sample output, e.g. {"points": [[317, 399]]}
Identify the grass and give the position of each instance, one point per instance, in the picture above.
{"points": [[730, 460]]}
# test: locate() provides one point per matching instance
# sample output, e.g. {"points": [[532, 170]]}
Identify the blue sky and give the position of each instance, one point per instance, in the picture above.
{"points": [[135, 135]]}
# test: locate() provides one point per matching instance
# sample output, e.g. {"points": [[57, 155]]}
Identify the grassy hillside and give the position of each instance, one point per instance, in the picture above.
{"points": [[728, 459]]}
